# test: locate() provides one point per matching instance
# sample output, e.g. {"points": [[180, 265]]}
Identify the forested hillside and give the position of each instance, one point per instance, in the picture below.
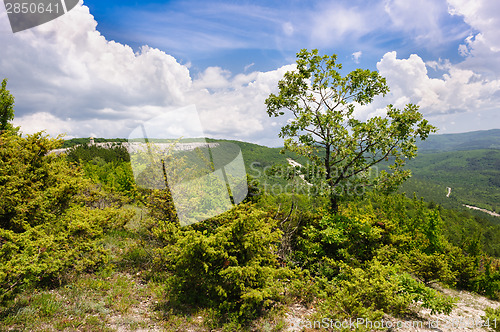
{"points": [[468, 164], [474, 140], [473, 176]]}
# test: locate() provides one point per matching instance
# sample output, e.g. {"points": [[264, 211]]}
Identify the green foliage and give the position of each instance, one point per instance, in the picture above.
{"points": [[424, 251], [488, 283], [108, 166], [115, 176], [399, 236], [377, 256], [91, 153], [429, 268], [430, 298], [324, 130], [471, 175], [472, 230], [254, 190], [48, 225], [492, 318], [260, 162], [192, 176], [375, 289], [6, 107], [161, 206], [231, 267], [36, 187], [338, 238]]}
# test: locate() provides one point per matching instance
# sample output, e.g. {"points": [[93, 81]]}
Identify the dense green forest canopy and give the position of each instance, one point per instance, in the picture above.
{"points": [[472, 176]]}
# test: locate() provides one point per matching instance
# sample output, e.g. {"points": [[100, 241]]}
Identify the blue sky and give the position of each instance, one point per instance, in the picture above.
{"points": [[106, 66], [267, 34]]}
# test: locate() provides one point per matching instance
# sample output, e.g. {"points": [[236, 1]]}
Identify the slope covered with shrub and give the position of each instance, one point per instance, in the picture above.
{"points": [[51, 218], [378, 256], [107, 166]]}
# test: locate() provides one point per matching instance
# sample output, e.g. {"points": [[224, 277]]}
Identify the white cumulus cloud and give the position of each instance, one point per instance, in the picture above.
{"points": [[67, 78], [481, 48], [458, 100], [457, 97], [458, 90]]}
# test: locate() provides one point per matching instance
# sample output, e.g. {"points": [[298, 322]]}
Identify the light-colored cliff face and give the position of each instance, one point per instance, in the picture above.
{"points": [[134, 147]]}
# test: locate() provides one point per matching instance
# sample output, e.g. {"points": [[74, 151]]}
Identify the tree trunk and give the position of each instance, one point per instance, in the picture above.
{"points": [[334, 206], [334, 203], [327, 164]]}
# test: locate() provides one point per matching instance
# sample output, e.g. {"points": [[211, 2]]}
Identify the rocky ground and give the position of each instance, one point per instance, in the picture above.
{"points": [[466, 316]]}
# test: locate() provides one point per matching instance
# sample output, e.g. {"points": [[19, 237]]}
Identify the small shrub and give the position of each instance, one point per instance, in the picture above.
{"points": [[488, 283], [430, 298], [430, 268], [340, 238]]}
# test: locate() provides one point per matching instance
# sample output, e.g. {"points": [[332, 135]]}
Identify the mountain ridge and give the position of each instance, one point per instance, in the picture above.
{"points": [[472, 140]]}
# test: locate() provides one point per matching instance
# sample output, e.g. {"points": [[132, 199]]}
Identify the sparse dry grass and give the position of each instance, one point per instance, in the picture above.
{"points": [[107, 301]]}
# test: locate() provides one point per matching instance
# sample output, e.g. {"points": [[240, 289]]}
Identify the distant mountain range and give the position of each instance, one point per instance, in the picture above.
{"points": [[474, 140]]}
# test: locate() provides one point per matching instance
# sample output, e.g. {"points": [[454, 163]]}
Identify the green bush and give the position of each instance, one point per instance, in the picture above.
{"points": [[488, 283], [232, 267], [107, 166], [418, 292], [375, 289], [414, 237], [115, 176], [161, 205], [492, 318], [48, 225], [430, 268], [337, 237]]}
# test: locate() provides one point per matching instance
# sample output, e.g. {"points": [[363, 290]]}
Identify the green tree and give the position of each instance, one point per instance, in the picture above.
{"points": [[6, 107], [323, 128]]}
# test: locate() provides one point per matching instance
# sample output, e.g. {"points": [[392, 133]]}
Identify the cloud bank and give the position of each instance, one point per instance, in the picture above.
{"points": [[67, 77]]}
